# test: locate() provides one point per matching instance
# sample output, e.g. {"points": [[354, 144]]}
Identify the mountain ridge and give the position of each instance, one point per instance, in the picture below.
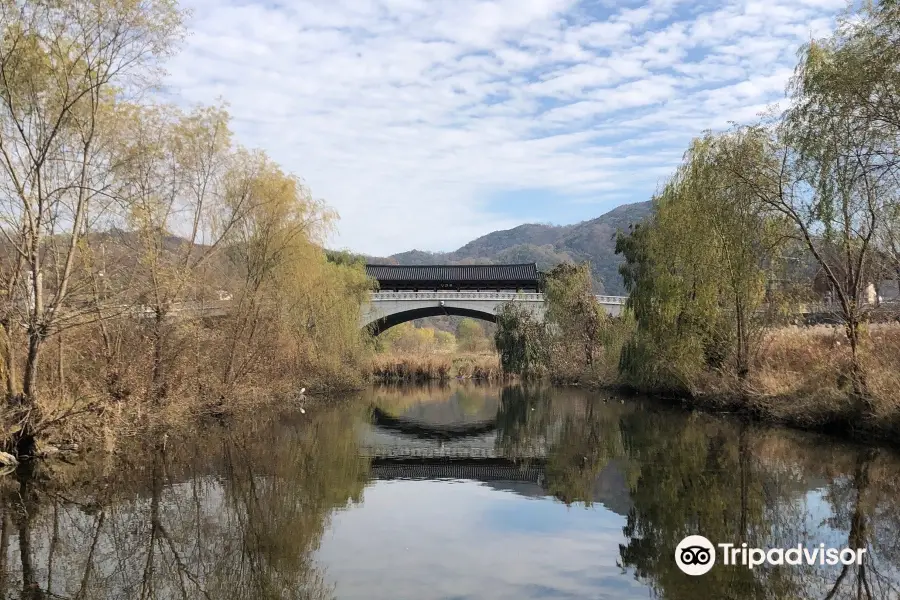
{"points": [[547, 245]]}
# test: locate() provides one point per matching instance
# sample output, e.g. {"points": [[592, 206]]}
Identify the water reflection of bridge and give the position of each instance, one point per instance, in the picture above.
{"points": [[484, 450], [404, 448], [431, 431], [485, 470], [401, 438], [517, 473]]}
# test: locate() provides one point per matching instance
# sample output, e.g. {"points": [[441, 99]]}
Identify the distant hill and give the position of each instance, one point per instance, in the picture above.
{"points": [[546, 245]]}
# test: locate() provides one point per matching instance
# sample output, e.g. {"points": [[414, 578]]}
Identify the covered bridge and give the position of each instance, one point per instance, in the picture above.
{"points": [[519, 277]]}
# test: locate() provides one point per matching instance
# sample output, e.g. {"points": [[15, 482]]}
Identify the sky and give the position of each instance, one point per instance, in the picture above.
{"points": [[427, 123], [436, 540], [464, 540]]}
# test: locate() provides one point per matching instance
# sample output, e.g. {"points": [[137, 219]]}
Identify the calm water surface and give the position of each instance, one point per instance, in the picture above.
{"points": [[455, 492]]}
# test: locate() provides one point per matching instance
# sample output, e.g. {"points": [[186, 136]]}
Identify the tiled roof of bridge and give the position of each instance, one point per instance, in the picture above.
{"points": [[518, 272]]}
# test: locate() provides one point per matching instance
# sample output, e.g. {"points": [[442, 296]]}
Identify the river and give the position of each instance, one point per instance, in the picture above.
{"points": [[454, 492]]}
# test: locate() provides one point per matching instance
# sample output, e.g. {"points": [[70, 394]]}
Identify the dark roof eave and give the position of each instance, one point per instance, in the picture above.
{"points": [[488, 274]]}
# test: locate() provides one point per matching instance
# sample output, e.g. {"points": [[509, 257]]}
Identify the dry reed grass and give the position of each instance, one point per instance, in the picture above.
{"points": [[800, 379], [419, 368], [101, 402]]}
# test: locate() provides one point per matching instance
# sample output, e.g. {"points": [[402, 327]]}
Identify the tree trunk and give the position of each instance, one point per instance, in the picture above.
{"points": [[157, 383], [60, 363], [35, 332], [857, 372], [29, 383], [23, 441], [9, 357], [743, 366]]}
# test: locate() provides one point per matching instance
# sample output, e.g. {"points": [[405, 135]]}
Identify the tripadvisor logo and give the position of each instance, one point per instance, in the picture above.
{"points": [[696, 555]]}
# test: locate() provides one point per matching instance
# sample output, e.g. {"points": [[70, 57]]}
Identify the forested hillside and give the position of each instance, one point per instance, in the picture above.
{"points": [[547, 245]]}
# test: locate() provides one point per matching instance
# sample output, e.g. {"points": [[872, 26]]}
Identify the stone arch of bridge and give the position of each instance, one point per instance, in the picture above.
{"points": [[383, 324]]}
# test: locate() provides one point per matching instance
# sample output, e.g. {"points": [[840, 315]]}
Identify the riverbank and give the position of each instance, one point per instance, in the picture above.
{"points": [[798, 379], [97, 420], [422, 368]]}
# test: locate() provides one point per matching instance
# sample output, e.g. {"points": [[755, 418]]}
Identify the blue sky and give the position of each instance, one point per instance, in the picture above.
{"points": [[427, 123]]}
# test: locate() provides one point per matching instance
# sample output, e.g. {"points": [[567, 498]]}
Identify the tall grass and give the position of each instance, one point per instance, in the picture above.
{"points": [[420, 368], [799, 377]]}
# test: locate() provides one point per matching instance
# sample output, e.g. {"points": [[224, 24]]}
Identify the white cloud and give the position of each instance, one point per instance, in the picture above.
{"points": [[406, 115], [425, 539]]}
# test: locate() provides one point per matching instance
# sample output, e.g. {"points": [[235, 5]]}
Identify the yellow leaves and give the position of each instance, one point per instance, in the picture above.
{"points": [[471, 336], [28, 72], [200, 137], [816, 55], [58, 58], [444, 341], [407, 338], [199, 213], [274, 200]]}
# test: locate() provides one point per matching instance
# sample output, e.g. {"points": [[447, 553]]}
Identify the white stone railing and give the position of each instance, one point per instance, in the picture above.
{"points": [[450, 295], [497, 296], [452, 452]]}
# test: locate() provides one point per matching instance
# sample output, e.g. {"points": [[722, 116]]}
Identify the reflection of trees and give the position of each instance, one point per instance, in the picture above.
{"points": [[729, 482], [864, 506], [697, 480], [238, 514], [588, 440], [580, 434], [695, 475], [525, 419], [470, 403], [396, 400], [236, 518]]}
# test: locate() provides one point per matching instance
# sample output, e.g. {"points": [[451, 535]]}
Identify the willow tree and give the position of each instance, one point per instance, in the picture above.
{"points": [[836, 177], [696, 272], [61, 66], [278, 220], [575, 320], [749, 239], [171, 181], [846, 186], [521, 341], [867, 78], [320, 303], [673, 293]]}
